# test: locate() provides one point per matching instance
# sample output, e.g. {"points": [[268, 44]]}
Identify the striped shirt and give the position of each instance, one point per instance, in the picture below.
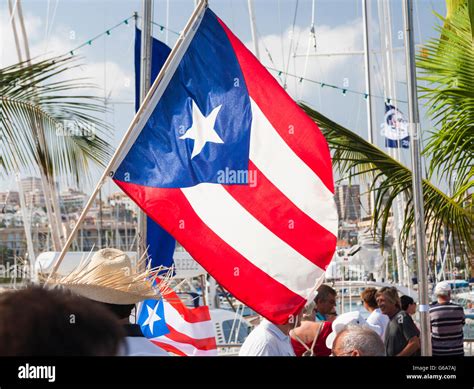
{"points": [[447, 321]]}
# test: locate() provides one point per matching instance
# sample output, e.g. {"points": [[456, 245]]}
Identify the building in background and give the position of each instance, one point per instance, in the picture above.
{"points": [[348, 203]]}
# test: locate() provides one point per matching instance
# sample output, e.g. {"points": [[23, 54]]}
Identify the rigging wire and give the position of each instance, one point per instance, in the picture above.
{"points": [[311, 35], [281, 36], [291, 44], [49, 25]]}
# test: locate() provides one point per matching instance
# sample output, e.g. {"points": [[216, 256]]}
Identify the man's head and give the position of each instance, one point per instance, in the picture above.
{"points": [[41, 322], [443, 291], [408, 304], [368, 298], [325, 299], [388, 300], [358, 341]]}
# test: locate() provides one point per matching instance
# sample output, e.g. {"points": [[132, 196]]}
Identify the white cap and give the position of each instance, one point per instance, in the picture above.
{"points": [[349, 318], [442, 288]]}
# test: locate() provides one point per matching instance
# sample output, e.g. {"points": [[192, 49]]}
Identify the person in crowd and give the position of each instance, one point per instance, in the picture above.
{"points": [[401, 336], [376, 318], [408, 304], [309, 339], [358, 341], [325, 302], [447, 320], [110, 279], [270, 340], [52, 322]]}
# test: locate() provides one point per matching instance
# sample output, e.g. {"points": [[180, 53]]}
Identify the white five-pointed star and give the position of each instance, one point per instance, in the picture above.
{"points": [[202, 129], [152, 317]]}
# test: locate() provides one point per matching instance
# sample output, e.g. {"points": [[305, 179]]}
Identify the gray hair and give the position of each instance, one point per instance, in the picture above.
{"points": [[362, 339]]}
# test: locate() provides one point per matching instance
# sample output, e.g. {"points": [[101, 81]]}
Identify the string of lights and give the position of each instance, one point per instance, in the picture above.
{"points": [[108, 32], [344, 90], [322, 84]]}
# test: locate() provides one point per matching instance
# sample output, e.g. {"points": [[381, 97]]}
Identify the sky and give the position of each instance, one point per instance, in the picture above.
{"points": [[58, 26]]}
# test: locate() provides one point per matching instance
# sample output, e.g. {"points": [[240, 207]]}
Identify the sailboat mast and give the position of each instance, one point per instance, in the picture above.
{"points": [[145, 83], [253, 29], [368, 89], [415, 135]]}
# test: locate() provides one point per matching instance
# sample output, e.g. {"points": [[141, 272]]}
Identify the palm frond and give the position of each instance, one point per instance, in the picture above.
{"points": [[354, 156], [447, 67], [45, 121]]}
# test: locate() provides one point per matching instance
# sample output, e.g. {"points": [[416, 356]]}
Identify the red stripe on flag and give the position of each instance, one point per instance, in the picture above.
{"points": [[294, 227], [201, 344], [194, 315], [290, 121], [171, 209], [169, 348]]}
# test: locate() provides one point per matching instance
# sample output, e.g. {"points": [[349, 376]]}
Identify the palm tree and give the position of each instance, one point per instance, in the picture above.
{"points": [[47, 126], [447, 65]]}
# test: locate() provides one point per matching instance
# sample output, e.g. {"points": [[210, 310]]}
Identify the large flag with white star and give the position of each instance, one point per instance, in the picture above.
{"points": [[226, 162]]}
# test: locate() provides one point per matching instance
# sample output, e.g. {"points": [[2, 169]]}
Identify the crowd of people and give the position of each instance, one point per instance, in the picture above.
{"points": [[389, 329], [86, 313]]}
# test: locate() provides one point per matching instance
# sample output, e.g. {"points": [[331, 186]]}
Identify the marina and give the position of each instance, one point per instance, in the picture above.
{"points": [[237, 179]]}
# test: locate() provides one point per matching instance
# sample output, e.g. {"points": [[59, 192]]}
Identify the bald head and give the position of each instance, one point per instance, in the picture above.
{"points": [[358, 341]]}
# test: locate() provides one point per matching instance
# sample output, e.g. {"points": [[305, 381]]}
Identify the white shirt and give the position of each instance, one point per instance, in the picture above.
{"points": [[379, 322], [267, 340]]}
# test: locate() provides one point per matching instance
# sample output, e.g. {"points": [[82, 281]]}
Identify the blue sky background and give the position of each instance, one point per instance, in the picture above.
{"points": [[57, 26]]}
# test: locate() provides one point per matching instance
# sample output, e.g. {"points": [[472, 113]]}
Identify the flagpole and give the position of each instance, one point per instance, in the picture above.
{"points": [[415, 134], [145, 82], [109, 170]]}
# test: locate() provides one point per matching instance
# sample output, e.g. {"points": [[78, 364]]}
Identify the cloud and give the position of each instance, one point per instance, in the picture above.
{"points": [[341, 70], [110, 77]]}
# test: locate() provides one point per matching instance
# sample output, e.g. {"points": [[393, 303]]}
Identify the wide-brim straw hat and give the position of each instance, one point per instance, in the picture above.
{"points": [[109, 277]]}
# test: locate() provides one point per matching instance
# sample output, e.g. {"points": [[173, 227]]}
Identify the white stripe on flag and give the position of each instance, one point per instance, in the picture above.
{"points": [[187, 348], [198, 330], [240, 230], [275, 159]]}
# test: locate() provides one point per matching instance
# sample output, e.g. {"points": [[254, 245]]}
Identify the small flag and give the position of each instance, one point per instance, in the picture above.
{"points": [[176, 328], [152, 318], [395, 128]]}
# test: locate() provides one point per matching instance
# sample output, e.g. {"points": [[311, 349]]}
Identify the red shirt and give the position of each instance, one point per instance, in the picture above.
{"points": [[320, 349]]}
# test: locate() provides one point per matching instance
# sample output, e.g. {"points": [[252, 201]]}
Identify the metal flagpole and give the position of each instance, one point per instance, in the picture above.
{"points": [[415, 135], [368, 89], [145, 82], [175, 56]]}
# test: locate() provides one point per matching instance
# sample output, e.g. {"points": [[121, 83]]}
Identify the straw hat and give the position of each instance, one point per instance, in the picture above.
{"points": [[109, 277]]}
